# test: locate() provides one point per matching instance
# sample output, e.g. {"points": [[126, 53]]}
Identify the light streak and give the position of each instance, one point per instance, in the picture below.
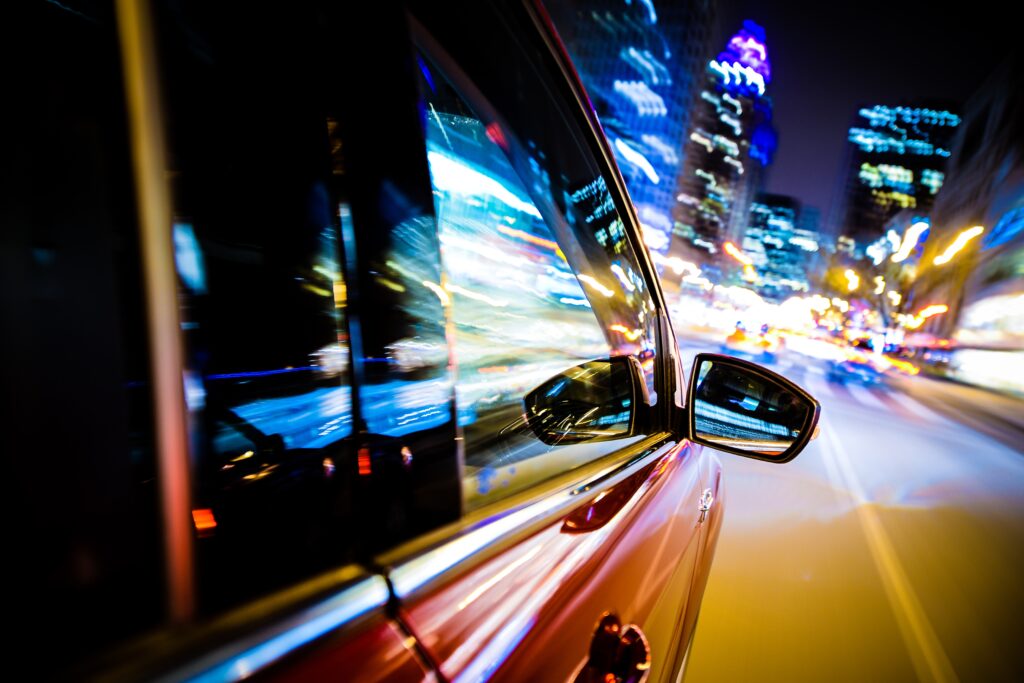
{"points": [[733, 251], [910, 240], [959, 243], [592, 281]]}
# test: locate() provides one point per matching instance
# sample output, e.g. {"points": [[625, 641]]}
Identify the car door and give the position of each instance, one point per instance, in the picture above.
{"points": [[206, 502], [544, 268]]}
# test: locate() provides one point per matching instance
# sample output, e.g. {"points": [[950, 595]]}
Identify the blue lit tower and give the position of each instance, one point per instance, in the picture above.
{"points": [[895, 161], [782, 241], [639, 65], [730, 143]]}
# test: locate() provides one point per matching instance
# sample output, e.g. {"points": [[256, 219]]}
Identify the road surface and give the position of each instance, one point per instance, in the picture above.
{"points": [[892, 549]]}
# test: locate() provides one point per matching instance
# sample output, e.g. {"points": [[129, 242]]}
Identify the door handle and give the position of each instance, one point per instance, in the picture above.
{"points": [[618, 654], [707, 499]]}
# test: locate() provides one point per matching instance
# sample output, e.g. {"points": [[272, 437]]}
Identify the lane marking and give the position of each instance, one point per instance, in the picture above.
{"points": [[817, 386], [915, 407], [866, 398], [926, 652]]}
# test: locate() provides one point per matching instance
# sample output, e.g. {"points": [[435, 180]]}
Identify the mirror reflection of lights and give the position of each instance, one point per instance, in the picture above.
{"points": [[593, 282]]}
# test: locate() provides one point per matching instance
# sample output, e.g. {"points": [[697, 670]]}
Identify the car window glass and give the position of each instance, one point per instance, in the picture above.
{"points": [[520, 312], [263, 303], [84, 535]]}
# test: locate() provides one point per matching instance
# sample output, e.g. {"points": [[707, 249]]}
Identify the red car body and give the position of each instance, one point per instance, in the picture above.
{"points": [[265, 515]]}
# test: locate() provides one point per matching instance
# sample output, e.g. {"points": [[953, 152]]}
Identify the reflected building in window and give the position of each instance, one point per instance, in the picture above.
{"points": [[641, 67]]}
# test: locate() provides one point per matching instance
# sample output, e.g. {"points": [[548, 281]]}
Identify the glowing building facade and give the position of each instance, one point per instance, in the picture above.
{"points": [[730, 143], [896, 160], [982, 281], [639, 65], [783, 251]]}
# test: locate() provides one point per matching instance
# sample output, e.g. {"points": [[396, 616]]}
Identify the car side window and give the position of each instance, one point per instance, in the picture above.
{"points": [[83, 542], [263, 303], [528, 299]]}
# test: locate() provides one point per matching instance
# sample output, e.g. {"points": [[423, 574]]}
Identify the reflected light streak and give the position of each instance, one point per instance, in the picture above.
{"points": [[621, 275], [441, 294], [455, 289], [592, 281], [532, 239], [487, 585], [631, 335], [451, 175], [637, 159]]}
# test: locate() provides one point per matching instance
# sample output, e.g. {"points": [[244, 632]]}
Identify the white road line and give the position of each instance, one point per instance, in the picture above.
{"points": [[916, 408], [866, 398], [817, 387], [926, 652]]}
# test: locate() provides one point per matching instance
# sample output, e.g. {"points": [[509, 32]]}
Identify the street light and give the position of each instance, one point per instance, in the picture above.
{"points": [[852, 279], [959, 243]]}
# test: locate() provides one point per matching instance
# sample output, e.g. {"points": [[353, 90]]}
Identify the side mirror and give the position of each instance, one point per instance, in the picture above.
{"points": [[596, 401], [740, 407]]}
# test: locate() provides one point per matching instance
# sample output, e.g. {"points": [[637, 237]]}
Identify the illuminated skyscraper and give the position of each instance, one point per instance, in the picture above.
{"points": [[896, 160], [784, 252], [639, 65], [730, 143]]}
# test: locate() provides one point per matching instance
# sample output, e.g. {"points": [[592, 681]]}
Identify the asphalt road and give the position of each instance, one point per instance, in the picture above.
{"points": [[892, 549]]}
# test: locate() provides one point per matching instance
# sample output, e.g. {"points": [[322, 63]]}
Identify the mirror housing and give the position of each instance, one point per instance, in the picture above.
{"points": [[742, 408], [599, 400]]}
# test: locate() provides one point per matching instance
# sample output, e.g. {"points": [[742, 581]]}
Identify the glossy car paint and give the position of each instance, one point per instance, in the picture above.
{"points": [[529, 613], [523, 605], [380, 650]]}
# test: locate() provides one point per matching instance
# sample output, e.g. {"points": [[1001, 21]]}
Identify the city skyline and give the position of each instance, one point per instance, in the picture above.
{"points": [[899, 64]]}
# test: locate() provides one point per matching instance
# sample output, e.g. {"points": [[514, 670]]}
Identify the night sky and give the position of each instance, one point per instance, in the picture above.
{"points": [[828, 59]]}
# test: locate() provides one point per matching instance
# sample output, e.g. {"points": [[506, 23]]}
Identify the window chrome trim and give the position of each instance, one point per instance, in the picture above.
{"points": [[246, 656], [500, 530]]}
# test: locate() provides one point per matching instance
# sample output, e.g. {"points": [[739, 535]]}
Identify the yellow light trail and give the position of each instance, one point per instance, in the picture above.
{"points": [[592, 281], [959, 243], [731, 250]]}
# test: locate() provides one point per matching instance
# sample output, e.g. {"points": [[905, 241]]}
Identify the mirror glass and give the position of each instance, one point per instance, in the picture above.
{"points": [[587, 402], [740, 409]]}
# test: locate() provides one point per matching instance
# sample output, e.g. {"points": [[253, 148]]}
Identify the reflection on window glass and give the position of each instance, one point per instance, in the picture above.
{"points": [[257, 252], [526, 301], [84, 564]]}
